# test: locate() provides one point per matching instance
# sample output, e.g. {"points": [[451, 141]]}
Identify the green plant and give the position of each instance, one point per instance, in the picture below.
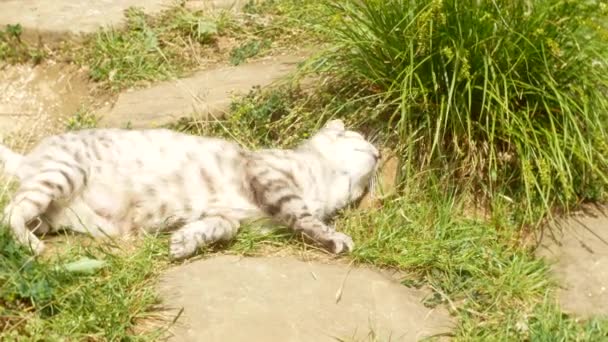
{"points": [[124, 57], [14, 50], [45, 299], [82, 119], [509, 96], [201, 29], [148, 48], [23, 281], [247, 50]]}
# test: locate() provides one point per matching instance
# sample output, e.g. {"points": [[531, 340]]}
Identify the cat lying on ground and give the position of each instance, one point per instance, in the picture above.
{"points": [[115, 182]]}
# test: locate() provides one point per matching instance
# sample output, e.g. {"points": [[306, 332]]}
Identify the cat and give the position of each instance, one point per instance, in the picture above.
{"points": [[111, 182]]}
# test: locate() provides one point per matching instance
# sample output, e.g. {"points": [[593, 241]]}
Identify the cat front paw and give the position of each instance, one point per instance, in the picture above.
{"points": [[340, 243], [36, 245], [181, 246], [31, 242]]}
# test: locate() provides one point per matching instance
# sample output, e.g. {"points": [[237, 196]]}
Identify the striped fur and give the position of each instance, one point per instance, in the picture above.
{"points": [[115, 182]]}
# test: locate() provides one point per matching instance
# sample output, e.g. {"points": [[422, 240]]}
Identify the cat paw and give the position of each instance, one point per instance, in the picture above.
{"points": [[340, 243], [36, 246], [181, 246]]}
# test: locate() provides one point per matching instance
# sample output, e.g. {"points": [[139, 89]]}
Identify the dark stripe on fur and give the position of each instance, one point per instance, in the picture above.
{"points": [[208, 182], [288, 175], [52, 186], [163, 210], [83, 174], [286, 199], [304, 215], [68, 180], [96, 151], [39, 206]]}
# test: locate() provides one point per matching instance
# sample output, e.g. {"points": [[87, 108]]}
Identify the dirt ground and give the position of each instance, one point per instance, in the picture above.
{"points": [[36, 100]]}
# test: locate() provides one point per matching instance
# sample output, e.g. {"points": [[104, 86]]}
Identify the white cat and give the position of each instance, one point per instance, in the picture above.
{"points": [[113, 182]]}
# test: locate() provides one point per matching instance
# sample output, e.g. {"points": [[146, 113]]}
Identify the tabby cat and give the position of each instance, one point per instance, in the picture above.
{"points": [[115, 182]]}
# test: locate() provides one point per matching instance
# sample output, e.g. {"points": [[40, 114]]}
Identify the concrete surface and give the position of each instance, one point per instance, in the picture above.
{"points": [[206, 93], [578, 250], [228, 298], [64, 17], [56, 20]]}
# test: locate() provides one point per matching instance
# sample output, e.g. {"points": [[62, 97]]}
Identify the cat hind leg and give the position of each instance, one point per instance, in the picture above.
{"points": [[33, 197]]}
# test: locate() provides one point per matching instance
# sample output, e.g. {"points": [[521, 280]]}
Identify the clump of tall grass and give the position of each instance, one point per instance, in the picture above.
{"points": [[509, 96]]}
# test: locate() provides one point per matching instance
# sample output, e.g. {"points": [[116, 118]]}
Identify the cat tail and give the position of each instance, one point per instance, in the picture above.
{"points": [[9, 161]]}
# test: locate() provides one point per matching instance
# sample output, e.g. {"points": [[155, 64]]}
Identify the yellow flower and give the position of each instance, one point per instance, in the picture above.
{"points": [[554, 47]]}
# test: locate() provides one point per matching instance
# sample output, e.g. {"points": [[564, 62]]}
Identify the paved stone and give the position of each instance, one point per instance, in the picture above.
{"points": [[578, 251], [206, 93], [228, 298], [52, 19]]}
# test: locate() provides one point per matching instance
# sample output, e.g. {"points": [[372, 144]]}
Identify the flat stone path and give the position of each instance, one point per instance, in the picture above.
{"points": [[205, 94], [57, 19], [578, 252], [229, 298], [69, 17]]}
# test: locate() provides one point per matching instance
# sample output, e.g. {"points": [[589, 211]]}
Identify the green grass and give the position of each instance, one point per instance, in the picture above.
{"points": [[83, 118], [497, 290], [14, 50], [509, 95], [248, 49], [476, 267], [41, 299], [148, 48]]}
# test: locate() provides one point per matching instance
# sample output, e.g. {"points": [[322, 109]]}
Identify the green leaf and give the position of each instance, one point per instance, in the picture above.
{"points": [[85, 265]]}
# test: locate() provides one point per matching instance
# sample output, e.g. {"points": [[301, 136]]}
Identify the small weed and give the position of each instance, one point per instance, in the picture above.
{"points": [[82, 119], [203, 30], [14, 50], [247, 50]]}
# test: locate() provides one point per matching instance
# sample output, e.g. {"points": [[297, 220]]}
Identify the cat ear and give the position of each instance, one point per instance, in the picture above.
{"points": [[335, 125]]}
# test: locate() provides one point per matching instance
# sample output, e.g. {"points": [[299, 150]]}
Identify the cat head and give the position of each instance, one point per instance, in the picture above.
{"points": [[348, 153]]}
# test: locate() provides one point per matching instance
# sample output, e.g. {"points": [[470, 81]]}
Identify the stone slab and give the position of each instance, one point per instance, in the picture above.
{"points": [[229, 298], [206, 93], [53, 19], [577, 249]]}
